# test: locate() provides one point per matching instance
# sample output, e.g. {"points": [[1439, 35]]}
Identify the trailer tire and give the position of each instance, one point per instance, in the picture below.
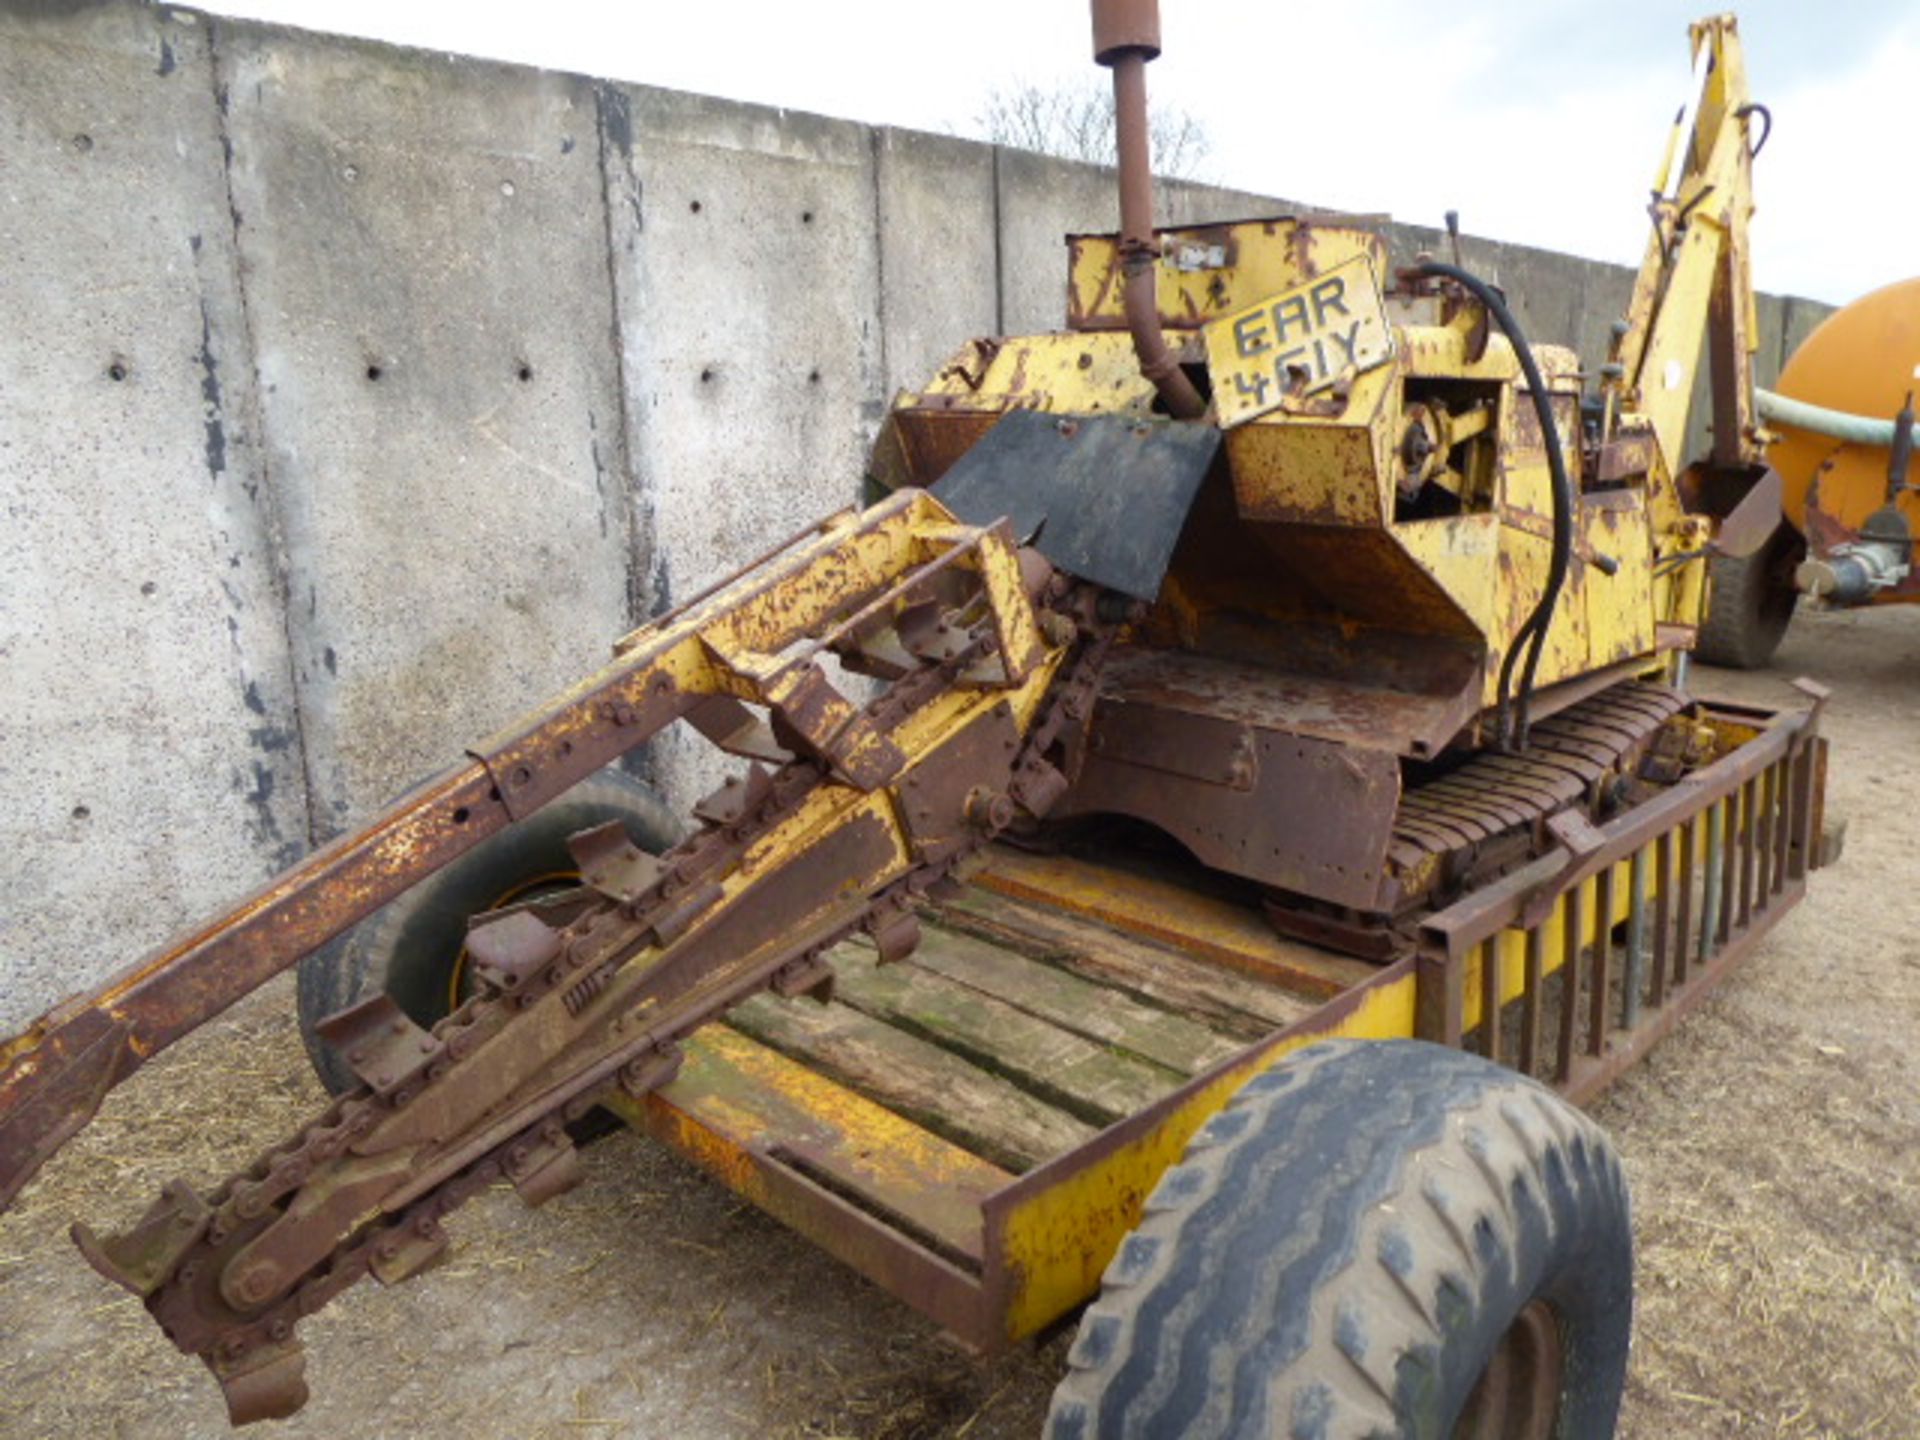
{"points": [[1382, 1238], [409, 947], [1750, 603]]}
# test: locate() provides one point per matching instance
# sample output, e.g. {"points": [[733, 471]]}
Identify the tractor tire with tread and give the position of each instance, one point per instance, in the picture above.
{"points": [[409, 947], [1750, 603], [1350, 1246]]}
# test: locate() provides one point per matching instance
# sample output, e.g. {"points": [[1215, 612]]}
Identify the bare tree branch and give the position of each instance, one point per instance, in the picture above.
{"points": [[1075, 122]]}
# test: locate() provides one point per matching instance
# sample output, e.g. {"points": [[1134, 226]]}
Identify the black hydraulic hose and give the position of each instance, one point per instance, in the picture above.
{"points": [[1533, 630]]}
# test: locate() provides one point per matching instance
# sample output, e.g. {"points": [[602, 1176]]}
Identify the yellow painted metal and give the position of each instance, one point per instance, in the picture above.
{"points": [[734, 1099], [1055, 1240], [1086, 374], [1462, 554], [754, 636], [1329, 468], [1696, 256], [1207, 271]]}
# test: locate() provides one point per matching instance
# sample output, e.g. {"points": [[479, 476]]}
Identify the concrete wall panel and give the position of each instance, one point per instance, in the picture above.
{"points": [[1041, 202], [149, 766], [938, 251], [427, 280], [750, 313]]}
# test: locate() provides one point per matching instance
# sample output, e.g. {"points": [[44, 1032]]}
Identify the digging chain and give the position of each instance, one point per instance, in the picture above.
{"points": [[188, 1301]]}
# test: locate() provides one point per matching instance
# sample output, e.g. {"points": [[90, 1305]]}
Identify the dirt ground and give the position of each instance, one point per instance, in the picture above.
{"points": [[1774, 1148]]}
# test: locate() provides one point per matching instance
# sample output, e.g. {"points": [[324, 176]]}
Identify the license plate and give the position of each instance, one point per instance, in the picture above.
{"points": [[1298, 341]]}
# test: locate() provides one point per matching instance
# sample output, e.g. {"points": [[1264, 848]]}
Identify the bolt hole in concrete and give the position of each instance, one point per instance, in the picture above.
{"points": [[813, 377], [147, 587], [706, 376], [117, 370], [806, 217], [525, 372], [374, 372], [81, 812], [694, 207], [83, 143]]}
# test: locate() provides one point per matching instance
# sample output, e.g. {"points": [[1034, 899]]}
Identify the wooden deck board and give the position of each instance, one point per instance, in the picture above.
{"points": [[1157, 908], [912, 1077], [1226, 1000], [1094, 1011], [1081, 1076]]}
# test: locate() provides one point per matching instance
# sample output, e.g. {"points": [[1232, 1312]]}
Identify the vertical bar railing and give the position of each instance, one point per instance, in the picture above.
{"points": [[1706, 867]]}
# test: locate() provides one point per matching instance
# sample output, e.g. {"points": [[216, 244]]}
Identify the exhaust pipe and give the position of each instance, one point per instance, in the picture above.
{"points": [[1126, 34]]}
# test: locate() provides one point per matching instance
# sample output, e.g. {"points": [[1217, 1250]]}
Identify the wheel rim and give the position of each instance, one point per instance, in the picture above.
{"points": [[1517, 1396]]}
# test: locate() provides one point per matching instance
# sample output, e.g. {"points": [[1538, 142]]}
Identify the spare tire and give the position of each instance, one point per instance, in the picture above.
{"points": [[1380, 1238], [411, 948]]}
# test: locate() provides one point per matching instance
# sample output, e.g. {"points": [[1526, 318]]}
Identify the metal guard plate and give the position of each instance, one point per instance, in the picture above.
{"points": [[1103, 497]]}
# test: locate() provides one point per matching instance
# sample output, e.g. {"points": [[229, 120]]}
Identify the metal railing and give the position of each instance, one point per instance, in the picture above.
{"points": [[1571, 967]]}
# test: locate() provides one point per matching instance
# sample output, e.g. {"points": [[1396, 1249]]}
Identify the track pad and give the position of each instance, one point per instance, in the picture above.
{"points": [[1107, 494]]}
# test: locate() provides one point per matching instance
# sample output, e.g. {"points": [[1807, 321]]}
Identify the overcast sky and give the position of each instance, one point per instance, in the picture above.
{"points": [[1540, 121]]}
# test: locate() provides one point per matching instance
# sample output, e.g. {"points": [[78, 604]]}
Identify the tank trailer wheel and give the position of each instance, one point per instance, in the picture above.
{"points": [[1374, 1238], [415, 948], [1750, 602]]}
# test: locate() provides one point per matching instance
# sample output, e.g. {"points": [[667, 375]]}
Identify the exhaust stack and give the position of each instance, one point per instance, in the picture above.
{"points": [[1126, 34]]}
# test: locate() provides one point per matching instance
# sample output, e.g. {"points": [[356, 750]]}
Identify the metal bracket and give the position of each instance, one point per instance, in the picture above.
{"points": [[269, 1383], [410, 1252], [142, 1258], [507, 950], [544, 1169], [612, 864], [1577, 833], [380, 1043], [1815, 692]]}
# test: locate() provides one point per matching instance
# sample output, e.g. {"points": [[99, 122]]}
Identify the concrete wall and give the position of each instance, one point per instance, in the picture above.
{"points": [[353, 398]]}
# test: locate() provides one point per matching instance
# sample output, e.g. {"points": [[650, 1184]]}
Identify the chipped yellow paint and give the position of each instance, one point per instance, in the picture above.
{"points": [[734, 1096], [1208, 271], [1461, 553], [1084, 374], [1056, 1241], [1321, 469]]}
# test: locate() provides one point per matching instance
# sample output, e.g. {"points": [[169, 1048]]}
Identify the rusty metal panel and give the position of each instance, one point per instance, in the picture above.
{"points": [[1205, 271], [1309, 816], [1340, 709]]}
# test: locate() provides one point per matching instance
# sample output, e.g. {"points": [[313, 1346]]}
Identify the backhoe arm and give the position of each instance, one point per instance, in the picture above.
{"points": [[1696, 276]]}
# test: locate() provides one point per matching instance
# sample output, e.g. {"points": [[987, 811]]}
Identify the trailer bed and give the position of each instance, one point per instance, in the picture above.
{"points": [[977, 1126]]}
